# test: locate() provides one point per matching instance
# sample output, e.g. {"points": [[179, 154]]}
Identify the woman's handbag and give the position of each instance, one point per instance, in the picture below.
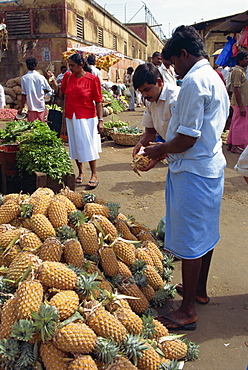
{"points": [[54, 118]]}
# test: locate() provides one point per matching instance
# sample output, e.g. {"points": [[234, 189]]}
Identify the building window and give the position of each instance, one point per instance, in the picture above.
{"points": [[114, 42], [100, 36], [133, 52], [140, 57], [125, 48], [80, 27], [18, 23]]}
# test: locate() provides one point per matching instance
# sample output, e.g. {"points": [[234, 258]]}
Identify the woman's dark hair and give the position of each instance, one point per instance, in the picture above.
{"points": [[91, 60], [78, 59], [31, 63], [146, 72], [184, 37], [241, 56]]}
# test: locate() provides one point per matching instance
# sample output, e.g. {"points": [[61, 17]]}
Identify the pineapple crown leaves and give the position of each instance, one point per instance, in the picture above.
{"points": [[9, 348], [168, 260], [106, 350], [192, 351], [162, 295], [86, 284], [26, 210], [133, 347], [23, 330], [114, 210], [77, 218], [27, 357], [45, 320], [88, 198], [114, 298], [76, 316], [13, 241], [170, 337], [65, 232], [116, 280], [148, 330], [139, 279], [138, 266], [173, 365]]}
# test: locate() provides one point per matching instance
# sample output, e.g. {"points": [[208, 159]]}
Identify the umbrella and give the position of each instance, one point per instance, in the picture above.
{"points": [[105, 57], [216, 53]]}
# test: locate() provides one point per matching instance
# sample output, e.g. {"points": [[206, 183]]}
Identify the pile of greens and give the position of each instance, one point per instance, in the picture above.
{"points": [[116, 104], [39, 149], [112, 124], [128, 130]]}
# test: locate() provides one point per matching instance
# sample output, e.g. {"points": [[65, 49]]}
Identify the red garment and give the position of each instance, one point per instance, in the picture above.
{"points": [[221, 75], [81, 94]]}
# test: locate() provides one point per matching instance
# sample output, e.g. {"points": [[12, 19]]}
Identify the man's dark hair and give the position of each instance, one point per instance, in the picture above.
{"points": [[91, 60], [184, 37], [31, 63], [156, 54], [241, 56], [78, 59], [130, 69], [62, 68], [146, 72]]}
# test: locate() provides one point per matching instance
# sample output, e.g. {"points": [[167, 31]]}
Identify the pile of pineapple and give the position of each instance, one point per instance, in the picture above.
{"points": [[78, 286]]}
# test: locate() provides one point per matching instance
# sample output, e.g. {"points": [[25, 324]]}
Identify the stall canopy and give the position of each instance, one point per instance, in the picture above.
{"points": [[105, 57], [233, 24]]}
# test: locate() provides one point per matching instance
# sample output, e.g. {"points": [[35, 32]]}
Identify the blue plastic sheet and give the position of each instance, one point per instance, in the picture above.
{"points": [[225, 56]]}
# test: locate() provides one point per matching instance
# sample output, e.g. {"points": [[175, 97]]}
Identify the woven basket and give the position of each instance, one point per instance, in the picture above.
{"points": [[107, 131], [126, 139]]}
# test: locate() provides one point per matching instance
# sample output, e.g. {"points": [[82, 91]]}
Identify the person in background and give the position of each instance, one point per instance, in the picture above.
{"points": [[34, 87], [237, 138], [91, 60], [156, 59], [167, 71], [160, 99], [195, 179], [129, 84], [59, 78], [84, 116], [2, 97]]}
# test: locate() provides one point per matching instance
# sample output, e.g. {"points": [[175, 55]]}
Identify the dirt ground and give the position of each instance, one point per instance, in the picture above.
{"points": [[222, 328]]}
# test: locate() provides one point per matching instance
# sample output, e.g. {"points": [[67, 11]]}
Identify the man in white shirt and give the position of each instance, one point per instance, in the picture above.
{"points": [[59, 78], [167, 71], [91, 60], [34, 86], [160, 98]]}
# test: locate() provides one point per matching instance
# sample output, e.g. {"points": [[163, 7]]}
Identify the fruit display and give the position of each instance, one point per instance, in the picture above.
{"points": [[79, 286]]}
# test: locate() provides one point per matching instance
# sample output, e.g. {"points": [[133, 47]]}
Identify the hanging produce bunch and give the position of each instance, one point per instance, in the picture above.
{"points": [[80, 282]]}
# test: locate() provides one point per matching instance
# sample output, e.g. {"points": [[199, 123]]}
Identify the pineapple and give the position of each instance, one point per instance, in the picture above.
{"points": [[124, 251], [144, 235], [30, 242], [75, 337], [57, 213], [75, 197], [88, 237], [105, 352], [9, 211], [21, 265], [10, 254], [139, 163], [138, 305], [73, 253], [150, 245], [66, 302], [91, 209], [142, 255], [40, 203], [174, 349], [103, 322], [155, 259], [52, 357], [108, 261], [70, 207], [137, 227], [105, 226], [8, 236], [129, 319], [148, 292], [51, 250], [124, 230], [161, 330], [29, 297], [8, 317], [41, 191], [83, 362], [153, 277], [42, 226], [142, 354], [122, 363], [123, 270], [57, 275]]}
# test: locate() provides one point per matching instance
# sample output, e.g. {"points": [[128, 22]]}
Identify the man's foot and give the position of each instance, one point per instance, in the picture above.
{"points": [[198, 298], [177, 320]]}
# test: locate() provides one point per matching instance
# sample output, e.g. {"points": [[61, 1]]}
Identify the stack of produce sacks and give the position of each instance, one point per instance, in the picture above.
{"points": [[65, 311], [12, 92]]}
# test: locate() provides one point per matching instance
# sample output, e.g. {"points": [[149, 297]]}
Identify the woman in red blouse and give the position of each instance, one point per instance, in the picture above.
{"points": [[83, 112]]}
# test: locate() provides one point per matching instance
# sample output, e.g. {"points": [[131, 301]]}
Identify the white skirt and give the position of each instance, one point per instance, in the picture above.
{"points": [[84, 139]]}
